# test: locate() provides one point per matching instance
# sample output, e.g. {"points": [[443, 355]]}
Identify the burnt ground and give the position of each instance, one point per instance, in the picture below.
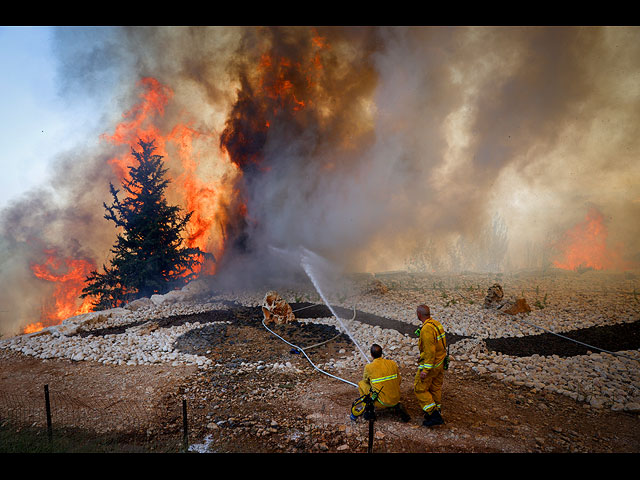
{"points": [[238, 411], [613, 338], [625, 336]]}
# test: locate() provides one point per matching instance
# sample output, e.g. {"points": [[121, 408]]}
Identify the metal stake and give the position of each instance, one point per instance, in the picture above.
{"points": [[185, 438], [370, 413], [48, 409]]}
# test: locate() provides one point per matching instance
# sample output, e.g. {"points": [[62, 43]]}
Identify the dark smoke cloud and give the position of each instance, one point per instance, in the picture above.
{"points": [[465, 148]]}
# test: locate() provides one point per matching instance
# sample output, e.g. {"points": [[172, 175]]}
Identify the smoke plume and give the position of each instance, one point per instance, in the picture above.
{"points": [[438, 148]]}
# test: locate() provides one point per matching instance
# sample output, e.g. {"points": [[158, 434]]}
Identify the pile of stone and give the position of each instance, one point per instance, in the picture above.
{"points": [[276, 310], [140, 345], [144, 343], [495, 299]]}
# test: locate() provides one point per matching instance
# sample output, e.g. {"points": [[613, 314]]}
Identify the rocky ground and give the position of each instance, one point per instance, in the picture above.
{"points": [[512, 386]]}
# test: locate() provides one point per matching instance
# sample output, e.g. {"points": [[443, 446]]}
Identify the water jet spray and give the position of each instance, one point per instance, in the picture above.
{"points": [[307, 259]]}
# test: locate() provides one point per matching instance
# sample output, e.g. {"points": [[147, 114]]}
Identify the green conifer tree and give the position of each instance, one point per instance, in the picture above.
{"points": [[148, 256]]}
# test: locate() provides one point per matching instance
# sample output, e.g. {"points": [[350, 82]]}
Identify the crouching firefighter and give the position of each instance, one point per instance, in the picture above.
{"points": [[379, 388], [433, 361]]}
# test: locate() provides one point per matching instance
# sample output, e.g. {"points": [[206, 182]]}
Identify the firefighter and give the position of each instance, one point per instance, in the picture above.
{"points": [[428, 381], [382, 375]]}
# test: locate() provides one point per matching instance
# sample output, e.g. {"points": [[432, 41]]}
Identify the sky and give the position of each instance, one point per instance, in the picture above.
{"points": [[36, 122]]}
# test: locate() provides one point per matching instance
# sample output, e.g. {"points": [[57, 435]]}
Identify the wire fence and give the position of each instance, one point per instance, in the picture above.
{"points": [[62, 415]]}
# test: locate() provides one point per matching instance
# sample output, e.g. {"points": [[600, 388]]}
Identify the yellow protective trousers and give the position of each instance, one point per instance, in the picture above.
{"points": [[432, 345], [429, 391]]}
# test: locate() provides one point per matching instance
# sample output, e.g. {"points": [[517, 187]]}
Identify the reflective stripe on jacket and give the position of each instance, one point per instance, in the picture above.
{"points": [[383, 379], [432, 345]]}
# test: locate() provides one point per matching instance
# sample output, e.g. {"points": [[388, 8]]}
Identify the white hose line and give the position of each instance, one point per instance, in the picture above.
{"points": [[302, 308], [307, 356], [576, 341]]}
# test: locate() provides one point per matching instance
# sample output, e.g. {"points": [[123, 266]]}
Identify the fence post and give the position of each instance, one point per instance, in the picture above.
{"points": [[185, 437], [48, 409]]}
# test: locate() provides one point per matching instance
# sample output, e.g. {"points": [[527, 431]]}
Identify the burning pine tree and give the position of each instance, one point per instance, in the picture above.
{"points": [[149, 256]]}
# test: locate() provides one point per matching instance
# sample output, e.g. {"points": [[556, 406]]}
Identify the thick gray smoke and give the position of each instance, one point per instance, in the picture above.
{"points": [[429, 147], [474, 146]]}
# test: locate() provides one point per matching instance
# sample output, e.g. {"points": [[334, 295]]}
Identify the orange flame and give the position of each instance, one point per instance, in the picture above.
{"points": [[205, 198], [193, 193], [284, 82], [283, 86], [216, 202], [585, 246], [200, 197], [68, 275], [155, 97]]}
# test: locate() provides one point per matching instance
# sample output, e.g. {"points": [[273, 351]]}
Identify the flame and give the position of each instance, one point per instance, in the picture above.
{"points": [[277, 93], [585, 246], [283, 87], [276, 83], [68, 275], [288, 84], [200, 197], [203, 197], [217, 201], [154, 99]]}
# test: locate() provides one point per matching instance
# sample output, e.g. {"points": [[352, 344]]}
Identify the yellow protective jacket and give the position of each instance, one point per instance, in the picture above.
{"points": [[432, 345], [383, 373]]}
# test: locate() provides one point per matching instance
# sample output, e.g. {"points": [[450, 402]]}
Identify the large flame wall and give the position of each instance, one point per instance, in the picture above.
{"points": [[468, 148]]}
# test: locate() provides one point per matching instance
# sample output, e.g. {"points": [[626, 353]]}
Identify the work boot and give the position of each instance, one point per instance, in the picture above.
{"points": [[404, 416], [432, 419]]}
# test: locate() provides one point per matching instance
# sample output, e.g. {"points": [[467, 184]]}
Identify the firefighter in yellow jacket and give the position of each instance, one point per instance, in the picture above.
{"points": [[429, 378], [382, 375]]}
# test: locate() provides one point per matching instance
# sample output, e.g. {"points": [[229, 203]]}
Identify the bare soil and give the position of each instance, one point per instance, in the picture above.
{"points": [[270, 411]]}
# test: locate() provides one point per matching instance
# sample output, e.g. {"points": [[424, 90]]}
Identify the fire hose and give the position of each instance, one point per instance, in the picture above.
{"points": [[302, 350], [362, 405]]}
